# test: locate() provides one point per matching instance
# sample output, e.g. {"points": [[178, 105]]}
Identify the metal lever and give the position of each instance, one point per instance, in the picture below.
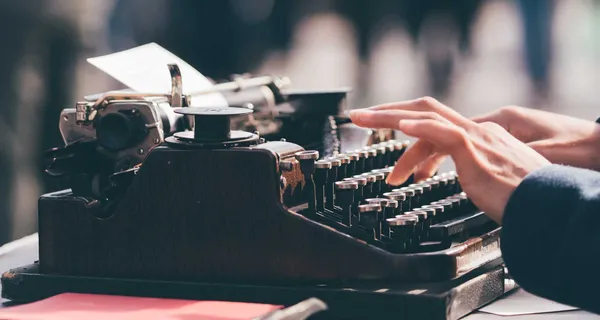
{"points": [[176, 86]]}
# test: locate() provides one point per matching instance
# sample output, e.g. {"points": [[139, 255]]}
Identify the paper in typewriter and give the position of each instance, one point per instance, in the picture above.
{"points": [[144, 69]]}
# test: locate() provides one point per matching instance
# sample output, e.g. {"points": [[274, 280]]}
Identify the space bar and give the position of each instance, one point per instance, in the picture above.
{"points": [[441, 231]]}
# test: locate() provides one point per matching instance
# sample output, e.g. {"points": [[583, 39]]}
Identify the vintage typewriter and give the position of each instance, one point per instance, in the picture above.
{"points": [[189, 204]]}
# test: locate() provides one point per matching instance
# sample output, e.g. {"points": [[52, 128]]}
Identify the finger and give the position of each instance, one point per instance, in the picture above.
{"points": [[407, 163], [428, 168], [434, 136], [387, 119], [425, 104]]}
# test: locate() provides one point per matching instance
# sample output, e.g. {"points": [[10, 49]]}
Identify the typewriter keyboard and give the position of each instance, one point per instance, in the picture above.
{"points": [[348, 192]]}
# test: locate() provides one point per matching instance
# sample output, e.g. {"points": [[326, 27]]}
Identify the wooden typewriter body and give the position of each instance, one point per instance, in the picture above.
{"points": [[231, 221]]}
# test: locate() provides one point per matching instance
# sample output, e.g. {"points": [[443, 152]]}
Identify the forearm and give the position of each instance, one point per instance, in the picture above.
{"points": [[551, 235]]}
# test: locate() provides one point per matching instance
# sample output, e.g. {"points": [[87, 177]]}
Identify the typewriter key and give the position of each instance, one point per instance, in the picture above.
{"points": [[410, 194], [389, 153], [345, 198], [380, 158], [369, 188], [362, 158], [370, 218], [307, 166], [400, 197], [322, 168], [435, 185], [370, 161], [383, 202], [457, 208], [402, 230], [452, 189], [343, 169], [389, 211], [416, 202], [438, 212], [398, 150], [427, 196], [351, 167], [329, 187], [358, 193], [378, 185], [426, 215], [418, 229], [448, 206]]}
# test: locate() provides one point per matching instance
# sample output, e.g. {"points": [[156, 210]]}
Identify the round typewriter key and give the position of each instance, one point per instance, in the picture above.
{"points": [[439, 209], [369, 176], [410, 194], [457, 208], [389, 154], [398, 150], [418, 226], [380, 160], [402, 230], [369, 187], [427, 192], [395, 195], [343, 170], [435, 185], [416, 202], [359, 179], [390, 209], [428, 214], [398, 196], [345, 199], [346, 185], [422, 218], [351, 167], [380, 201], [307, 155], [360, 163], [370, 161], [329, 186], [343, 158], [444, 189], [334, 162], [448, 208], [359, 194], [370, 218], [379, 181], [321, 172], [451, 183], [371, 151], [353, 156]]}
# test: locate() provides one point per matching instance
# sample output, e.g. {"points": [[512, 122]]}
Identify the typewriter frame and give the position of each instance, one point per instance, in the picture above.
{"points": [[290, 251]]}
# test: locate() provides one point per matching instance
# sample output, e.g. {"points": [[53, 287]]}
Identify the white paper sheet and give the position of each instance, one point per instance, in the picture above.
{"points": [[144, 69], [521, 302]]}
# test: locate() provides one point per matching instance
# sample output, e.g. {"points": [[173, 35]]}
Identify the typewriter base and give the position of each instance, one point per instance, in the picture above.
{"points": [[444, 300]]}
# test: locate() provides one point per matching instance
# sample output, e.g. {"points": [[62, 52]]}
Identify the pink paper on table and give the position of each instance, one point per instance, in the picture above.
{"points": [[101, 307]]}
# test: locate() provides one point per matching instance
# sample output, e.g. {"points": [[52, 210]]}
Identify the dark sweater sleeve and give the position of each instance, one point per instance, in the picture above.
{"points": [[551, 235]]}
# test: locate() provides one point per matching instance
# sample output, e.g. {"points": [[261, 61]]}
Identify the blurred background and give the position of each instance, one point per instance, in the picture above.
{"points": [[474, 55]]}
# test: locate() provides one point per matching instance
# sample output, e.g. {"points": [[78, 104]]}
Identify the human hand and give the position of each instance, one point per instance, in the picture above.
{"points": [[559, 138], [490, 162]]}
